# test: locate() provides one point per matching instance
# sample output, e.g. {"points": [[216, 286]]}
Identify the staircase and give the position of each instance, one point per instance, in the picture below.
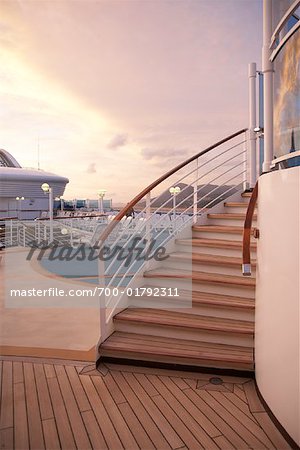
{"points": [[217, 329]]}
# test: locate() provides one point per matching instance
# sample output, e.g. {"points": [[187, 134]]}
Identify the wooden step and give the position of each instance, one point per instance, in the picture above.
{"points": [[218, 243], [202, 258], [205, 299], [237, 205], [202, 277], [218, 229], [163, 349], [246, 194], [232, 216], [160, 317]]}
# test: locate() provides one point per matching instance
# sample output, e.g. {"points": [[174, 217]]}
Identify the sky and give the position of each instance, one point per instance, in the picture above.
{"points": [[113, 93]]}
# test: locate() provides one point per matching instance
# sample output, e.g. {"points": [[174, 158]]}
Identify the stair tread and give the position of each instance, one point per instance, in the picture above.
{"points": [[237, 216], [225, 243], [200, 276], [163, 346], [208, 298], [185, 320], [211, 259], [227, 229]]}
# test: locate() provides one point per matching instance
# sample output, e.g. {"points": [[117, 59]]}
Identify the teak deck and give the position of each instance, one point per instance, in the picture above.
{"points": [[56, 404]]}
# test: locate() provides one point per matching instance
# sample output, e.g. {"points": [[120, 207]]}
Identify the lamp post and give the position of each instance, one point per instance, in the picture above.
{"points": [[101, 194], [174, 191], [19, 200], [48, 190]]}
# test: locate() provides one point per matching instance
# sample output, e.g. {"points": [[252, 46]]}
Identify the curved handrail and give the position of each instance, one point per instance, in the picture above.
{"points": [[159, 180], [246, 267]]}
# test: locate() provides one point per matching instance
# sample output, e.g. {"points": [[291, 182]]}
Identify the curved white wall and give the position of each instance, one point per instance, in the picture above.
{"points": [[277, 341]]}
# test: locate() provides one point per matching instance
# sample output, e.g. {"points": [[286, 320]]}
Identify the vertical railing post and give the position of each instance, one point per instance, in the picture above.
{"points": [[195, 197], [71, 233], [11, 232], [268, 85], [51, 213], [252, 125], [24, 236], [148, 225]]}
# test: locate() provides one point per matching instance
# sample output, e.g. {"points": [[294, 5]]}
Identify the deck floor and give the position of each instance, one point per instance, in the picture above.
{"points": [[56, 404]]}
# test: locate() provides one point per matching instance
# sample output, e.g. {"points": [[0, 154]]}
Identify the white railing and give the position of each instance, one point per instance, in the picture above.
{"points": [[204, 180]]}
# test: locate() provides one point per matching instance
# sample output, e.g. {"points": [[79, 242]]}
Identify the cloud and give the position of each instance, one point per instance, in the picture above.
{"points": [[91, 168], [119, 140], [164, 153]]}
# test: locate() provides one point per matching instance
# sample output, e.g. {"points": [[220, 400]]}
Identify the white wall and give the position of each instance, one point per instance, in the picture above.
{"points": [[277, 344]]}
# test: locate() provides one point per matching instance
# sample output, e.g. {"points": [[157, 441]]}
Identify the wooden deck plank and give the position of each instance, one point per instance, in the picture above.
{"points": [[80, 395], [6, 418], [250, 424], [18, 376], [239, 428], [50, 435], [233, 398], [76, 422], [43, 393], [167, 430], [36, 438], [223, 443], [239, 391], [271, 431], [217, 419], [133, 423], [254, 403], [93, 429], [21, 436], [7, 439], [114, 389], [111, 437], [181, 428], [145, 383], [153, 431], [49, 371], [115, 415], [63, 426], [186, 416]]}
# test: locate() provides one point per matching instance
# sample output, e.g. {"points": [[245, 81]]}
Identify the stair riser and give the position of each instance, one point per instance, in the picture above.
{"points": [[204, 267], [203, 287], [229, 222], [173, 360], [199, 310], [213, 250], [181, 333]]}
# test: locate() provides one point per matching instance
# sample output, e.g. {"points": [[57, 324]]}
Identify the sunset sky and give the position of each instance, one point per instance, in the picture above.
{"points": [[118, 91]]}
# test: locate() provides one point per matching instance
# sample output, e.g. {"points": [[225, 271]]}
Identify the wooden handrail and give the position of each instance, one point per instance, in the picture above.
{"points": [[246, 267], [159, 180]]}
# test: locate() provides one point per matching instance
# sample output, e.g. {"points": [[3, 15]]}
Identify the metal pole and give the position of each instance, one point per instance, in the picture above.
{"points": [[174, 207], [195, 197], [268, 85], [51, 213], [252, 125]]}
